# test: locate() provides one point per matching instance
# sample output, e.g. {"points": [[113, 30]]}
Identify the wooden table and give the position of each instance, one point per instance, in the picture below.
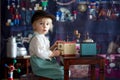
{"points": [[92, 61]]}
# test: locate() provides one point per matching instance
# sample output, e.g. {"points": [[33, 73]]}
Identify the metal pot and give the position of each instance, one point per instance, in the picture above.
{"points": [[22, 51]]}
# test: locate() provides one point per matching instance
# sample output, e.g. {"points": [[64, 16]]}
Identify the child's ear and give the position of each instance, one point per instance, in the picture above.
{"points": [[34, 28], [33, 25]]}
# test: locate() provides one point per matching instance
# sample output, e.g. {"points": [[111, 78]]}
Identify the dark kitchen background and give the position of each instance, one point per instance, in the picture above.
{"points": [[99, 18]]}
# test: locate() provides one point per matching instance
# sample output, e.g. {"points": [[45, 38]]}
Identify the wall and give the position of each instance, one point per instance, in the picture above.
{"points": [[101, 31]]}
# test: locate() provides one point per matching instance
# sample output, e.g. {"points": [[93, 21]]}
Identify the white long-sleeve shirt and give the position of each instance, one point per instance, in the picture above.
{"points": [[40, 46]]}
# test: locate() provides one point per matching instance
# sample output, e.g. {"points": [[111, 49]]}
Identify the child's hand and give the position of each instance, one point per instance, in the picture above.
{"points": [[56, 53]]}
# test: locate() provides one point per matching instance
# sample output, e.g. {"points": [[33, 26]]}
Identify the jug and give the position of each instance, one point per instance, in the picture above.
{"points": [[12, 47]]}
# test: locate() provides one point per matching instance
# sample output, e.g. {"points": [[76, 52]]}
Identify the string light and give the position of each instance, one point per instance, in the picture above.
{"points": [[65, 3]]}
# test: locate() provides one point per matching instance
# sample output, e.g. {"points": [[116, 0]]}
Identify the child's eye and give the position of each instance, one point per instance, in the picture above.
{"points": [[47, 24], [41, 23]]}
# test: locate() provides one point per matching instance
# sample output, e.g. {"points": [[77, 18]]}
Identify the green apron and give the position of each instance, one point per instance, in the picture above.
{"points": [[50, 69]]}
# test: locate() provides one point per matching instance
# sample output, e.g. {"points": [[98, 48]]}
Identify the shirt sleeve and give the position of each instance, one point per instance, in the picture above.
{"points": [[39, 49]]}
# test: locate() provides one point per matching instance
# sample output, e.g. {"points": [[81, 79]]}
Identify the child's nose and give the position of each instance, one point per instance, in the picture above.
{"points": [[44, 25]]}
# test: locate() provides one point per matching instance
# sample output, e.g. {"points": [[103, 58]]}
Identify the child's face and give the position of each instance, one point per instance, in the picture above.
{"points": [[42, 25]]}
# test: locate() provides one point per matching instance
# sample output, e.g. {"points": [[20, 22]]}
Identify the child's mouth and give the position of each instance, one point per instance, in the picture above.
{"points": [[44, 30]]}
